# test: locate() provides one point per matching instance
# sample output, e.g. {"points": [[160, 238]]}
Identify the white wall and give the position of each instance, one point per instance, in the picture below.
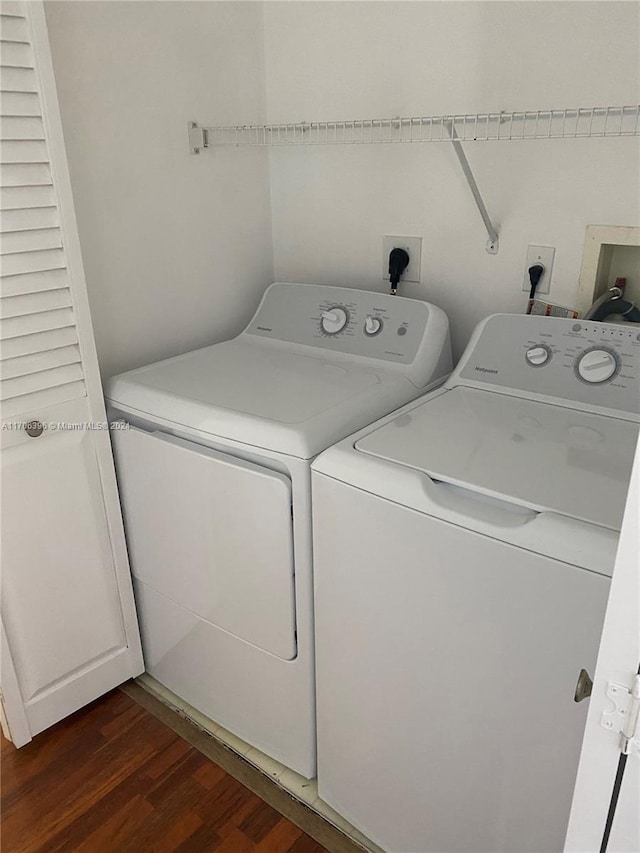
{"points": [[177, 248], [344, 60]]}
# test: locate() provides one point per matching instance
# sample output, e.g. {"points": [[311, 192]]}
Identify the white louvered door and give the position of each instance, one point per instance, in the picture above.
{"points": [[69, 629]]}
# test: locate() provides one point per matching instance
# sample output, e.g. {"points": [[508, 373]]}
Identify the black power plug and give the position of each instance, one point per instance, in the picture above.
{"points": [[398, 262], [535, 274]]}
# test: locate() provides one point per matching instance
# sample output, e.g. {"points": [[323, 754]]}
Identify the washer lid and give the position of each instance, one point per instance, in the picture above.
{"points": [[535, 454], [270, 397]]}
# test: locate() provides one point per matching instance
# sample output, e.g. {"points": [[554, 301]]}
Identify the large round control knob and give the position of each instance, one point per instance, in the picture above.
{"points": [[334, 320], [596, 365], [372, 325], [538, 355]]}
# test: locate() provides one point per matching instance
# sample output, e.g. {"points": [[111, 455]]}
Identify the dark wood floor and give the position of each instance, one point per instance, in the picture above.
{"points": [[114, 779]]}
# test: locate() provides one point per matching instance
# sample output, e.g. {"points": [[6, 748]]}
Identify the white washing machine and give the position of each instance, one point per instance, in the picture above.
{"points": [[463, 549], [214, 477]]}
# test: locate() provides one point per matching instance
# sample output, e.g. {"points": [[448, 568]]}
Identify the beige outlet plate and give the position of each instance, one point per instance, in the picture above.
{"points": [[539, 255]]}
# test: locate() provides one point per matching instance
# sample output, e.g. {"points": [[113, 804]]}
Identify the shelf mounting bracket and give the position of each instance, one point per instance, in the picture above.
{"points": [[492, 243], [197, 137]]}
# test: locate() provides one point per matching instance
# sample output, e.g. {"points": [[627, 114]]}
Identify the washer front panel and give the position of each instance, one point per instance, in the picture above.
{"points": [[434, 604]]}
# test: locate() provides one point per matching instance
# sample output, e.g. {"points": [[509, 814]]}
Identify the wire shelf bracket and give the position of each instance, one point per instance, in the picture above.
{"points": [[492, 245]]}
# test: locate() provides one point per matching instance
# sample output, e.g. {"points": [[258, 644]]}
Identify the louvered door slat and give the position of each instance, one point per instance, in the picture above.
{"points": [[30, 241], [21, 127], [21, 104], [32, 303], [25, 175], [13, 28], [40, 381], [25, 364], [41, 362], [39, 342], [39, 400], [23, 262], [12, 198], [15, 327], [23, 151], [17, 55], [18, 80], [13, 8], [17, 285], [28, 219]]}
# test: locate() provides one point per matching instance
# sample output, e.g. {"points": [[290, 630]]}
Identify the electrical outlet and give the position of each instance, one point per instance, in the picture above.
{"points": [[539, 255], [413, 247]]}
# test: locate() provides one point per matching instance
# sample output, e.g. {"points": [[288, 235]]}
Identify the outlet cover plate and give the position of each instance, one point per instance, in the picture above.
{"points": [[411, 245], [539, 255]]}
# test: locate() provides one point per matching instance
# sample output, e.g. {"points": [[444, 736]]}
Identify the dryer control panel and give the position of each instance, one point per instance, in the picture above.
{"points": [[353, 322], [340, 319], [575, 361]]}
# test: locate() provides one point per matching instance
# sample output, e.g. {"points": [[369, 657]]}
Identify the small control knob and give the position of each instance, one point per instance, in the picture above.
{"points": [[597, 365], [334, 320], [372, 325], [538, 355]]}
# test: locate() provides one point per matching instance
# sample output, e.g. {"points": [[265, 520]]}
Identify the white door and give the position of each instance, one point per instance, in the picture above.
{"points": [[69, 625], [597, 821], [61, 597]]}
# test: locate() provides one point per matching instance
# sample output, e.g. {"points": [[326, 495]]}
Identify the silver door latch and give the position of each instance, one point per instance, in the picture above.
{"points": [[624, 718]]}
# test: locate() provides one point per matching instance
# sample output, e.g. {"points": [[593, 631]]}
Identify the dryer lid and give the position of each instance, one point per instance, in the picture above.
{"points": [[266, 396], [539, 455], [264, 382]]}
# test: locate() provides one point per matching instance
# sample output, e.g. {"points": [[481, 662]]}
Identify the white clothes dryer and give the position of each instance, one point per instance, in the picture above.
{"points": [[214, 474], [463, 548]]}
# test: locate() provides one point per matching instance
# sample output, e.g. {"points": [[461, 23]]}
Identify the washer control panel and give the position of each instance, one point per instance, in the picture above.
{"points": [[340, 319], [597, 364]]}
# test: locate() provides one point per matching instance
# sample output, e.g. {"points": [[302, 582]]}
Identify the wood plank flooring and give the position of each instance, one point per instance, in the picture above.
{"points": [[114, 779]]}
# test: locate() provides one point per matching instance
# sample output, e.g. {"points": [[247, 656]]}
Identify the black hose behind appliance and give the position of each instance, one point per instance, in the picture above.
{"points": [[619, 306], [613, 302]]}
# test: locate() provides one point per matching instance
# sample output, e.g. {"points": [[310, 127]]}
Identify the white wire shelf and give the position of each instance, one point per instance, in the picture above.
{"points": [[539, 124], [455, 129]]}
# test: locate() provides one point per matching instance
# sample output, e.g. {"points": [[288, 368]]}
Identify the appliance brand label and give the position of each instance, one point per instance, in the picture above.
{"points": [[485, 369]]}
